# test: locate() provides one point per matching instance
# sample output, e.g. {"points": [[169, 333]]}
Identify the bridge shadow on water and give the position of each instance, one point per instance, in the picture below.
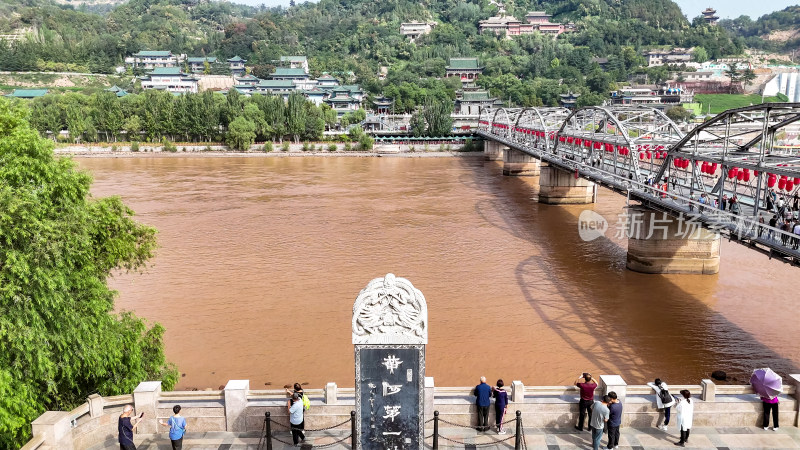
{"points": [[640, 326]]}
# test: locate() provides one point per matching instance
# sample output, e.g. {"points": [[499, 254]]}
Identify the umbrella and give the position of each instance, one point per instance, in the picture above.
{"points": [[766, 383]]}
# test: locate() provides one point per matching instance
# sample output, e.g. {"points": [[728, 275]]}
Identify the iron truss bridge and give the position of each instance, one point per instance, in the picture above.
{"points": [[639, 152]]}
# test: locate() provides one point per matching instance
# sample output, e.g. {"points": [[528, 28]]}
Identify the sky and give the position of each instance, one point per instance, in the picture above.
{"points": [[726, 9]]}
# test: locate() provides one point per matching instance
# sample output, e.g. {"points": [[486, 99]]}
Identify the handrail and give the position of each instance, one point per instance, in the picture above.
{"points": [[116, 400], [36, 442]]}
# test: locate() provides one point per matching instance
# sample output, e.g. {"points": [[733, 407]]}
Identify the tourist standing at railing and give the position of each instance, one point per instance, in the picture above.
{"points": [[662, 393], [724, 205], [587, 385], [796, 237], [734, 207], [614, 420], [500, 405], [781, 206], [685, 411], [126, 427], [787, 229], [773, 223], [597, 423], [770, 200], [177, 427], [296, 420], [770, 405], [483, 399]]}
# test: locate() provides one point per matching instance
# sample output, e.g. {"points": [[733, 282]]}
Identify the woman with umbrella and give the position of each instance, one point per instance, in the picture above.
{"points": [[768, 384]]}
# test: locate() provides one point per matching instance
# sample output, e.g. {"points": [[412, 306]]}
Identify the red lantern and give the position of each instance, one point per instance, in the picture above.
{"points": [[771, 181], [713, 167], [789, 185], [747, 176], [740, 175], [648, 154], [781, 183], [796, 181], [570, 140], [755, 173], [731, 173], [686, 163]]}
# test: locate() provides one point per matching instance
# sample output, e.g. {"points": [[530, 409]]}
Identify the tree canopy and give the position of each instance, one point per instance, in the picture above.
{"points": [[60, 337]]}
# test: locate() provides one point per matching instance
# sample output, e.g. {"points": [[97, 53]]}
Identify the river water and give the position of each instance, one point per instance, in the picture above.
{"points": [[261, 258]]}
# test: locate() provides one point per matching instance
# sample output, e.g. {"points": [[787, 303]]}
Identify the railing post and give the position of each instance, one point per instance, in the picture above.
{"points": [[435, 430], [518, 436], [353, 431], [268, 425]]}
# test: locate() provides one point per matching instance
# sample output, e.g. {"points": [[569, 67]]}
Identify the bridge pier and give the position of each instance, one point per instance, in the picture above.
{"points": [[559, 187], [517, 163], [660, 243], [493, 151]]}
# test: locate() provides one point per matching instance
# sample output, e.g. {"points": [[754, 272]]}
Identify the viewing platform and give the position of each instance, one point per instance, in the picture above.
{"points": [[726, 416]]}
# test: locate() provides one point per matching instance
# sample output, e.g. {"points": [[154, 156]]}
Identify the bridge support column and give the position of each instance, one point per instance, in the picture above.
{"points": [[492, 151], [660, 243], [559, 187], [517, 163]]}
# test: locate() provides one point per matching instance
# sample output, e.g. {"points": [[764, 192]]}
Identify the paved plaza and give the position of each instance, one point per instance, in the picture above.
{"points": [[537, 439]]}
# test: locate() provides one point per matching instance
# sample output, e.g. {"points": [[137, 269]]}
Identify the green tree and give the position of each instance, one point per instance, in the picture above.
{"points": [[679, 114], [699, 55], [417, 124], [748, 76], [438, 118], [296, 115], [60, 339], [241, 133], [733, 73]]}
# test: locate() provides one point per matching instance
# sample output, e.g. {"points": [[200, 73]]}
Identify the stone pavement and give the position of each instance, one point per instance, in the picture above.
{"points": [[537, 439]]}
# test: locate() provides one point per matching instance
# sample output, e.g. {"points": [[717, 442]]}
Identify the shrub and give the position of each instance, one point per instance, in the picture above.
{"points": [[113, 148], [208, 148], [426, 147], [285, 146], [134, 146], [305, 146], [365, 142], [347, 147], [412, 149], [183, 149], [168, 146], [268, 146], [441, 147], [332, 147]]}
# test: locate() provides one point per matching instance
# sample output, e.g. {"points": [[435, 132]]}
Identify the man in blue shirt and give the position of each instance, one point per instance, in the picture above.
{"points": [[614, 420], [483, 394]]}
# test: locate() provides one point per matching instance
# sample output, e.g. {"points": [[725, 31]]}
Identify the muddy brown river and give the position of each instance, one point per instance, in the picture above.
{"points": [[261, 258]]}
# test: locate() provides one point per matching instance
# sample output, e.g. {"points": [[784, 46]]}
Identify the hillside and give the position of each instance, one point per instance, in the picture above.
{"points": [[355, 38], [778, 31]]}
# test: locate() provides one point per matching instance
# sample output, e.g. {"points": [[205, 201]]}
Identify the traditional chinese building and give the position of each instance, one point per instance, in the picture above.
{"points": [[27, 93], [536, 21], [413, 30], [343, 101], [666, 57], [467, 69], [383, 105], [295, 62], [236, 65], [198, 64], [150, 59], [170, 79], [327, 81], [471, 102], [286, 73], [118, 91], [569, 100], [710, 16], [660, 97]]}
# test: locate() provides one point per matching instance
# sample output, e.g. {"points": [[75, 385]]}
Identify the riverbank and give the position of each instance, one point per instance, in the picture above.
{"points": [[228, 154], [278, 150]]}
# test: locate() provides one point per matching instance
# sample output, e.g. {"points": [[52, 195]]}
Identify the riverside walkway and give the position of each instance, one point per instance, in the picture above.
{"points": [[537, 439]]}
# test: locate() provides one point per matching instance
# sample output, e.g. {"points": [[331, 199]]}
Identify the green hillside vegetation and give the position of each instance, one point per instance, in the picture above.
{"points": [[357, 37], [722, 102], [753, 30]]}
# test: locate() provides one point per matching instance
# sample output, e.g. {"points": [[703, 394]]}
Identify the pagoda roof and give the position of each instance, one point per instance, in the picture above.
{"points": [[464, 63], [288, 72], [201, 59], [153, 53], [237, 58], [27, 93], [476, 96], [276, 84], [166, 71]]}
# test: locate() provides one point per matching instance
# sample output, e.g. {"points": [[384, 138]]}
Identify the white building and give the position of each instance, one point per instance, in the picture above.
{"points": [[413, 30], [147, 59], [674, 56], [787, 83], [295, 62], [170, 79]]}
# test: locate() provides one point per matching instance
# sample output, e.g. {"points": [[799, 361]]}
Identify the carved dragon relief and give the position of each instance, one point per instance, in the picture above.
{"points": [[390, 310]]}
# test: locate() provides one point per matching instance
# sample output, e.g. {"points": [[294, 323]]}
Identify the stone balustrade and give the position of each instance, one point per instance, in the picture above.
{"points": [[237, 408]]}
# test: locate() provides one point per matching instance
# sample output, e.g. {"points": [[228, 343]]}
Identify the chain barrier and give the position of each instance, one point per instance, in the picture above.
{"points": [[483, 444], [309, 429]]}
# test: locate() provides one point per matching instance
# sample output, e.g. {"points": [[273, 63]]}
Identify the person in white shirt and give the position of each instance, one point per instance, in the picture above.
{"points": [[295, 408], [658, 386], [685, 410]]}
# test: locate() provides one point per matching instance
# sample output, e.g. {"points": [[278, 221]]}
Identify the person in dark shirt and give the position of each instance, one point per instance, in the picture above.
{"points": [[587, 385], [483, 399], [126, 426], [500, 405], [614, 420]]}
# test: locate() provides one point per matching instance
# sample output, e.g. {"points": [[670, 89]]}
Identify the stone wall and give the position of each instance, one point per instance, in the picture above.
{"points": [[237, 409]]}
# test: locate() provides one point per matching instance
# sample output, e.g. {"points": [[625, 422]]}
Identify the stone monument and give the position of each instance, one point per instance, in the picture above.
{"points": [[390, 331]]}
